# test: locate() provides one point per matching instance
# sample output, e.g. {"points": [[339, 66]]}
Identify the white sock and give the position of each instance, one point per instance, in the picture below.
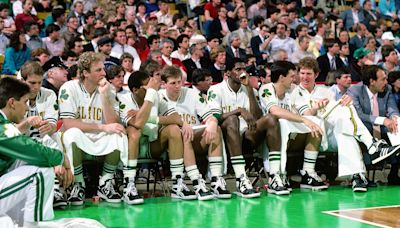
{"points": [[193, 172], [310, 158], [274, 162], [238, 164], [215, 164], [130, 170], [176, 168]]}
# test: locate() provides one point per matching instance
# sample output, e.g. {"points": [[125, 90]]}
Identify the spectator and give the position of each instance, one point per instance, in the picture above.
{"points": [[76, 45], [217, 70], [163, 15], [394, 81], [72, 29], [183, 48], [358, 40], [196, 61], [245, 35], [18, 8], [257, 9], [33, 40], [56, 74], [16, 54], [53, 43], [9, 24], [387, 9], [26, 16], [120, 47], [281, 41], [41, 55], [304, 42], [389, 58], [233, 49], [4, 41], [328, 61]]}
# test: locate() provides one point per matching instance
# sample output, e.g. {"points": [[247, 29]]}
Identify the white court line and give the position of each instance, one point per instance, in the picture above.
{"points": [[334, 213]]}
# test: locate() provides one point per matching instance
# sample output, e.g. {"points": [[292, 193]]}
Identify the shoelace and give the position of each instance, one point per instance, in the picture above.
{"points": [[363, 178], [58, 194], [220, 183], [277, 179], [202, 185], [246, 182], [110, 188], [181, 185], [131, 189], [315, 177], [285, 180], [75, 190]]}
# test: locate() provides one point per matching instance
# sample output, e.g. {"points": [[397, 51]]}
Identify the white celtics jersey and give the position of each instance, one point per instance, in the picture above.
{"points": [[76, 103], [303, 99], [127, 102], [46, 107], [268, 98], [222, 99], [190, 105]]}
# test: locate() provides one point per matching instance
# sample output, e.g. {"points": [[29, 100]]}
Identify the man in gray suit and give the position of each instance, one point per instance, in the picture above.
{"points": [[353, 16], [377, 108]]}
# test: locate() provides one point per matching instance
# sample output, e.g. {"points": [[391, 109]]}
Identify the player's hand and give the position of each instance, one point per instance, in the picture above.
{"points": [[46, 128], [391, 125], [187, 132], [249, 118], [131, 114], [154, 83], [34, 121], [346, 100], [244, 78], [210, 133], [176, 118], [104, 87], [316, 131], [114, 128], [321, 104]]}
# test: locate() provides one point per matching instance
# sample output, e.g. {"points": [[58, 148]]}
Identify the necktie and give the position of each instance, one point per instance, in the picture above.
{"points": [[375, 112], [333, 64], [237, 53], [346, 63]]}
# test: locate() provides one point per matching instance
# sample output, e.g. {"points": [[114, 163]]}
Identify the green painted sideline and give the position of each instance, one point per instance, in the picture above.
{"points": [[300, 209]]}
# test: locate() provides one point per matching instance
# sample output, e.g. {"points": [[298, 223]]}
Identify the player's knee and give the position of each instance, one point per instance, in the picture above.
{"points": [[231, 123], [134, 133], [173, 131], [270, 121]]}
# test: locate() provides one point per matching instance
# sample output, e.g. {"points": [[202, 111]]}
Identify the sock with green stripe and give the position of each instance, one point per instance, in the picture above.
{"points": [[215, 164], [78, 174], [130, 170], [238, 164], [108, 173], [274, 162], [310, 158], [176, 168]]}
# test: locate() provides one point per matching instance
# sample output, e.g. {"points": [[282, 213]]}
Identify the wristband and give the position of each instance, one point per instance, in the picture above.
{"points": [[151, 95], [153, 119]]}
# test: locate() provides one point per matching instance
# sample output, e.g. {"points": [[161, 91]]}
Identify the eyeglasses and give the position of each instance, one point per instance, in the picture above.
{"points": [[239, 68]]}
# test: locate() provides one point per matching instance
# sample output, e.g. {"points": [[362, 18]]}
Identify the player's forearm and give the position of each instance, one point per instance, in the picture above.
{"points": [[285, 114], [23, 126], [109, 114], [254, 107], [85, 127], [224, 116], [142, 116]]}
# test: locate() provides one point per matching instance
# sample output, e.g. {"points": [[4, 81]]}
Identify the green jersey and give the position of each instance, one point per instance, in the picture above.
{"points": [[14, 145]]}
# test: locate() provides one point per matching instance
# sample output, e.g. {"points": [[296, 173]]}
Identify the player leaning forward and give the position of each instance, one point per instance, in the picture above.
{"points": [[26, 166], [90, 115]]}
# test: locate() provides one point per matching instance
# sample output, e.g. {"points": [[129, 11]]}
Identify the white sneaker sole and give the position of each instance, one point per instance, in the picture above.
{"points": [[386, 156], [360, 189], [77, 203], [134, 202], [287, 192], [107, 199], [223, 196], [305, 186], [254, 195], [204, 198], [175, 196]]}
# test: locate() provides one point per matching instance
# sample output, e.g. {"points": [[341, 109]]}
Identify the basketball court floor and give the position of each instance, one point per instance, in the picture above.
{"points": [[336, 207]]}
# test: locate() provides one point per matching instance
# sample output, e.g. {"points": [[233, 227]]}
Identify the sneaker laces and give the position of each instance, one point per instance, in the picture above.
{"points": [[277, 179], [131, 189], [245, 182], [202, 184], [363, 178], [315, 176], [75, 190], [220, 183], [58, 194], [181, 185], [284, 179], [109, 188]]}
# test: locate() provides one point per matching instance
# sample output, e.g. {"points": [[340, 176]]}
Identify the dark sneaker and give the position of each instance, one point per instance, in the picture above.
{"points": [[380, 150], [201, 190], [285, 181], [244, 188], [218, 187], [131, 195], [181, 191], [60, 199], [76, 194], [311, 181], [275, 185], [360, 183], [108, 193]]}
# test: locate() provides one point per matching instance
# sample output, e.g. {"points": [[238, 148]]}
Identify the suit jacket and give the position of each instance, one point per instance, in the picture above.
{"points": [[362, 103], [88, 47], [348, 20], [255, 47], [230, 56], [191, 66], [325, 66], [217, 75], [356, 43], [368, 18], [216, 27]]}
